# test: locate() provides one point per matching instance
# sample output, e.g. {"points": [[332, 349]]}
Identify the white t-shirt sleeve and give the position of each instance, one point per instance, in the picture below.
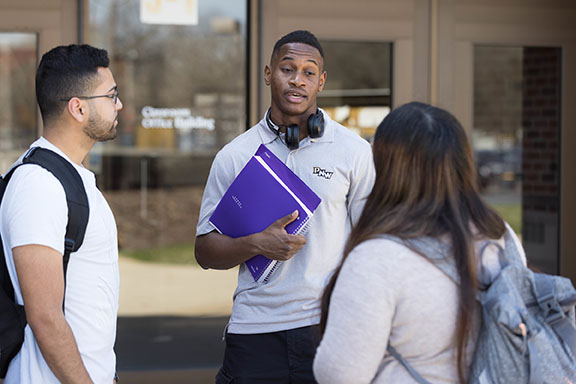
{"points": [[35, 208], [360, 319]]}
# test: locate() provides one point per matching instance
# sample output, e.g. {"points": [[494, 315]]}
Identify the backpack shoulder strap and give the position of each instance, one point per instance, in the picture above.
{"points": [[415, 375], [5, 281], [76, 198], [4, 180], [554, 311]]}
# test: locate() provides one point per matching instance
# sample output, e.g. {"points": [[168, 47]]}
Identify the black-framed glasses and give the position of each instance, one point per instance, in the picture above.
{"points": [[113, 96]]}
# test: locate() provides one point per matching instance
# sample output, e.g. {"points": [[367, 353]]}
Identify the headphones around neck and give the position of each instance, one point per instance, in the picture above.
{"points": [[292, 138]]}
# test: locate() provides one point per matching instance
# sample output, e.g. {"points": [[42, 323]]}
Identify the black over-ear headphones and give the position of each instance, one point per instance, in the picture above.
{"points": [[315, 129]]}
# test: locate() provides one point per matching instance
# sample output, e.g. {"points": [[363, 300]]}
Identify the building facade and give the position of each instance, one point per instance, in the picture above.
{"points": [[190, 75]]}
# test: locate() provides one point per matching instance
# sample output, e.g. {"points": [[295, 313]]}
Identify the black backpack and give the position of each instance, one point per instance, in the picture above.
{"points": [[12, 315]]}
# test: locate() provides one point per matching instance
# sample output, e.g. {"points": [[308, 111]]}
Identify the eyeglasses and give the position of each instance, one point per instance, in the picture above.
{"points": [[113, 96]]}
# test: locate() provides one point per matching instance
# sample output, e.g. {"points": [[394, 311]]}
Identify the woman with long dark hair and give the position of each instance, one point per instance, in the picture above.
{"points": [[386, 293]]}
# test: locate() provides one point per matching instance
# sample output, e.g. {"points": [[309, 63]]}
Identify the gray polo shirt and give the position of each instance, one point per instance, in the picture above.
{"points": [[339, 168]]}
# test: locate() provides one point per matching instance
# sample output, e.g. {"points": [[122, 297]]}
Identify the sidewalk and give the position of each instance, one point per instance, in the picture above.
{"points": [[171, 319], [153, 289]]}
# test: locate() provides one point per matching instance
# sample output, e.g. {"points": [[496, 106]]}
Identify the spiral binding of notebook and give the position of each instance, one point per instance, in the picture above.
{"points": [[303, 227], [266, 279], [264, 191]]}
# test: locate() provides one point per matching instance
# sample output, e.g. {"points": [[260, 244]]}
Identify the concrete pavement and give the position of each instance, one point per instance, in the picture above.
{"points": [[171, 320], [156, 289]]}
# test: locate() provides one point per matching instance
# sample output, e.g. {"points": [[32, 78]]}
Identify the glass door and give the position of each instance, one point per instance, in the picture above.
{"points": [[181, 73], [516, 138]]}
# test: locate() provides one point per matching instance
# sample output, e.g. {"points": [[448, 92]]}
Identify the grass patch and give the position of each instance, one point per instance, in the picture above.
{"points": [[174, 254], [184, 253], [512, 213]]}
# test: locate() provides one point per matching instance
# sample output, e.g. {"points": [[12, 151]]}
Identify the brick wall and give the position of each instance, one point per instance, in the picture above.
{"points": [[541, 155], [541, 129]]}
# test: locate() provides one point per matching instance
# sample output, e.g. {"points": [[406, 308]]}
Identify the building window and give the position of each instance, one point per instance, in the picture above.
{"points": [[516, 138], [18, 124], [357, 93], [181, 74]]}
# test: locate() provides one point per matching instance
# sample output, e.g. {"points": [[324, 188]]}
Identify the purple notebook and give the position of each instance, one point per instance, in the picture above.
{"points": [[264, 191]]}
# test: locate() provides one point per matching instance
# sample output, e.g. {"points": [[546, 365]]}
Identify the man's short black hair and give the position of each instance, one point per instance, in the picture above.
{"points": [[64, 72], [300, 36]]}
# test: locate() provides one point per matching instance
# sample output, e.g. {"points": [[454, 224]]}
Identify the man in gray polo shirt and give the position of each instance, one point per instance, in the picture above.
{"points": [[272, 334]]}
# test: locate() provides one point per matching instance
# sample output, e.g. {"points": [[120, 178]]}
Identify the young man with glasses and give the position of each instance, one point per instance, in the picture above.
{"points": [[78, 100], [273, 331]]}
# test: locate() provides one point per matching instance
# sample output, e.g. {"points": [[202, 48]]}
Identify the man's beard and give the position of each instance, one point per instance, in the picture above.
{"points": [[99, 130]]}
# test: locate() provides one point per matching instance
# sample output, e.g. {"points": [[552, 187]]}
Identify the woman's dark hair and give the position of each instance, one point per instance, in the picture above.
{"points": [[426, 186], [64, 72]]}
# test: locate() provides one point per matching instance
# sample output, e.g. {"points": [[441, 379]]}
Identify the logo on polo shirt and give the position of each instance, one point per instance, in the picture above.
{"points": [[320, 172]]}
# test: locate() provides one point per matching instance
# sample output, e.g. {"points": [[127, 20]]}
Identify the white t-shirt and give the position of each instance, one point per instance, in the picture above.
{"points": [[339, 168], [34, 211]]}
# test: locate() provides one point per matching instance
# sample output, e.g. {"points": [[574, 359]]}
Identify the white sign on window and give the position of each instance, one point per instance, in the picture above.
{"points": [[169, 12], [179, 118]]}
